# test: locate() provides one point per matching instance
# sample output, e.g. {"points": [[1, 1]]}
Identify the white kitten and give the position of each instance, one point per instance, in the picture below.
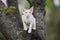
{"points": [[29, 22]]}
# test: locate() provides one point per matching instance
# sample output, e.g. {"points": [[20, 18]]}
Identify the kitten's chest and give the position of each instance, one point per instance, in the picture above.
{"points": [[27, 20]]}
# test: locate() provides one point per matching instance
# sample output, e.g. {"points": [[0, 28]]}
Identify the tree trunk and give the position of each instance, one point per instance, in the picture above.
{"points": [[9, 24], [12, 28], [39, 12]]}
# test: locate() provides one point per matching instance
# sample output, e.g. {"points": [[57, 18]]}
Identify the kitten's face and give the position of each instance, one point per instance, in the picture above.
{"points": [[27, 12]]}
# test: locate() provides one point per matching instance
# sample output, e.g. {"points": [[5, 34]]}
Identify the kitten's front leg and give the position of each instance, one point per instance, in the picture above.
{"points": [[30, 28], [25, 26]]}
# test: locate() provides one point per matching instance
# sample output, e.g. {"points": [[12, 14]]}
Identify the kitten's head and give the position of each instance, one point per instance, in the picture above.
{"points": [[27, 12]]}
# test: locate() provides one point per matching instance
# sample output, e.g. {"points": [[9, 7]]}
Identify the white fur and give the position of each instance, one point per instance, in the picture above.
{"points": [[5, 2], [30, 20]]}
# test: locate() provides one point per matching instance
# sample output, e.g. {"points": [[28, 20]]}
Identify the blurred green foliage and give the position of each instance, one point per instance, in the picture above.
{"points": [[52, 21], [48, 3], [2, 36], [9, 10]]}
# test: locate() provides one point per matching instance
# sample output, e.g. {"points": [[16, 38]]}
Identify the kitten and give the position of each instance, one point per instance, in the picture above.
{"points": [[29, 22]]}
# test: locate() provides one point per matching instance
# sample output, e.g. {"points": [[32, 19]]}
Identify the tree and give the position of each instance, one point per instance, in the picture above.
{"points": [[12, 28]]}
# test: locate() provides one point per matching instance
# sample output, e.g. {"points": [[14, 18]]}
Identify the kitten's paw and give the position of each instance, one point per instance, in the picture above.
{"points": [[29, 31], [34, 28]]}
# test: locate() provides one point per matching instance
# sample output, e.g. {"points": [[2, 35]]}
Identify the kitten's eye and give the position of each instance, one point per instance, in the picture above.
{"points": [[29, 12], [25, 12]]}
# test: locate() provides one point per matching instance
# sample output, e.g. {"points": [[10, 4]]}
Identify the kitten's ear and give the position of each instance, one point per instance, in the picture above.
{"points": [[31, 9], [23, 9]]}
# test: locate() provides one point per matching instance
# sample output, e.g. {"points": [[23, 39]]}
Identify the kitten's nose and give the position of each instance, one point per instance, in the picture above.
{"points": [[27, 16]]}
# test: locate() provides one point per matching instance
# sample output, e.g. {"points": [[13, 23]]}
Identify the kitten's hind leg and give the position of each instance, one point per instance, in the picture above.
{"points": [[34, 25]]}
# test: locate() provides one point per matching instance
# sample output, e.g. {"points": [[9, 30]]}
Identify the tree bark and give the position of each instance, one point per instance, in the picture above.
{"points": [[12, 28], [39, 13], [9, 24]]}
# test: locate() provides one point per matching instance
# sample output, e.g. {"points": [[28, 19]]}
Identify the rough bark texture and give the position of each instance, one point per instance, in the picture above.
{"points": [[9, 24], [12, 28], [39, 12]]}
